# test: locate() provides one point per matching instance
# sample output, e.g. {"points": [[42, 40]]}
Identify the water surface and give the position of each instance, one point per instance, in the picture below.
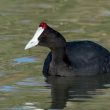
{"points": [[22, 85]]}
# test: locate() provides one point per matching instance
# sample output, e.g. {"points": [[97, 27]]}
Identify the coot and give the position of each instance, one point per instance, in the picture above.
{"points": [[76, 58]]}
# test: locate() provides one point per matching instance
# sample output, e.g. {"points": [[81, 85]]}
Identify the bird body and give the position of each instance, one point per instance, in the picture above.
{"points": [[84, 58]]}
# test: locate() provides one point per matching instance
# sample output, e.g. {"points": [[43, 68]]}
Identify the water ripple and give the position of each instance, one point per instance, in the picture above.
{"points": [[24, 60]]}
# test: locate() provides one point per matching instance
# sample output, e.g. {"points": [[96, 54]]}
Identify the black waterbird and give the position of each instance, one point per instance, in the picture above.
{"points": [[76, 58]]}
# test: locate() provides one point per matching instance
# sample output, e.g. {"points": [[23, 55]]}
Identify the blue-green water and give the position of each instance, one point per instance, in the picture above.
{"points": [[22, 85]]}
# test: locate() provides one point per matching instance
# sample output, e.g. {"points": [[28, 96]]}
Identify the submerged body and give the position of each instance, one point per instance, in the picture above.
{"points": [[76, 58], [82, 58]]}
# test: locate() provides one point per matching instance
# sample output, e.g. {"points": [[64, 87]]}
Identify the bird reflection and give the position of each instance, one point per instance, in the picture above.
{"points": [[64, 89]]}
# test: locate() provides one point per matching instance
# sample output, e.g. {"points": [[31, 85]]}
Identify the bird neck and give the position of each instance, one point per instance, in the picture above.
{"points": [[58, 55]]}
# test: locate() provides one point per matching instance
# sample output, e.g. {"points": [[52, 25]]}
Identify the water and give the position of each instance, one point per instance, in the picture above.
{"points": [[24, 60], [22, 85]]}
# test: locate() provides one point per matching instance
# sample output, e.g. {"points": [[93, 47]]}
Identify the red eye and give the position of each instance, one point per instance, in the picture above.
{"points": [[43, 25]]}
